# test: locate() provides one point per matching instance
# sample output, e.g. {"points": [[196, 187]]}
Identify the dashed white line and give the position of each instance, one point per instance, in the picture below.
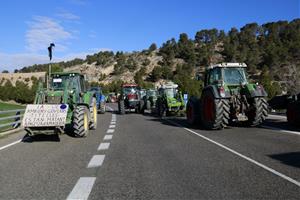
{"points": [[112, 122], [110, 131], [82, 189], [96, 161], [112, 126], [240, 155], [9, 145], [103, 146], [280, 130], [107, 137]]}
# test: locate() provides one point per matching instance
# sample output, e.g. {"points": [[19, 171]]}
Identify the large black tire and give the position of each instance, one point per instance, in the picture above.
{"points": [[192, 112], [148, 105], [121, 107], [102, 108], [293, 114], [258, 111], [162, 110], [141, 107], [215, 113], [80, 121], [93, 115]]}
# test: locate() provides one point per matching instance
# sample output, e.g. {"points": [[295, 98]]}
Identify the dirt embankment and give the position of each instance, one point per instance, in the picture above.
{"points": [[24, 77]]}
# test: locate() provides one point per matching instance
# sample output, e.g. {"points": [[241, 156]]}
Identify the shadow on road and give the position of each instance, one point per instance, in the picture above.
{"points": [[280, 124], [291, 158], [41, 138]]}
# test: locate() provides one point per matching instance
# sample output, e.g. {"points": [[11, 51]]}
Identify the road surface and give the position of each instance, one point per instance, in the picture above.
{"points": [[136, 156]]}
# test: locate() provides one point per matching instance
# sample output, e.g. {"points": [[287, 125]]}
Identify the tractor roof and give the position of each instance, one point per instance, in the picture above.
{"points": [[223, 65], [169, 85], [66, 74], [129, 85]]}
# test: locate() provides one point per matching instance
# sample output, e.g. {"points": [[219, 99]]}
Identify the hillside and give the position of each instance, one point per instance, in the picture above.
{"points": [[271, 51]]}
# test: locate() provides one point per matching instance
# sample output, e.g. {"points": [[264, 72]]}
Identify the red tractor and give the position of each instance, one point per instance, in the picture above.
{"points": [[129, 99], [290, 103]]}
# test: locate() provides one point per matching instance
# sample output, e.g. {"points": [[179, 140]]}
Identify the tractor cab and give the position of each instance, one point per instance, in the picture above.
{"points": [[71, 80], [226, 73], [170, 90]]}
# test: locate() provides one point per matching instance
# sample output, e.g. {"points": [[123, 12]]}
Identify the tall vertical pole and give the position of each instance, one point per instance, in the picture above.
{"points": [[50, 56]]}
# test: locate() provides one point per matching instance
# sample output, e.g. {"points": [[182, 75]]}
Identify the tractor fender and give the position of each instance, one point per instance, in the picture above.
{"points": [[83, 104], [88, 97], [213, 89], [258, 91]]}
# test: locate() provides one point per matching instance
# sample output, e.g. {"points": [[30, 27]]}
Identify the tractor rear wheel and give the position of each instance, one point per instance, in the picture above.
{"points": [[215, 112], [102, 108], [94, 112], [162, 110], [148, 105], [258, 111], [141, 107], [121, 107], [81, 121]]}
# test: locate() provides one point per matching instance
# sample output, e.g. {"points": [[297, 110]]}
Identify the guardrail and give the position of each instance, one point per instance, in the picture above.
{"points": [[11, 120]]}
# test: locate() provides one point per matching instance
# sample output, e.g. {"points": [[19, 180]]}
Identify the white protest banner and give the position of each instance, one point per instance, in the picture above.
{"points": [[45, 115]]}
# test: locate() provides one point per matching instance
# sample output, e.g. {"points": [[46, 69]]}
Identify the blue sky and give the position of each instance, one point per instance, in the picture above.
{"points": [[80, 27]]}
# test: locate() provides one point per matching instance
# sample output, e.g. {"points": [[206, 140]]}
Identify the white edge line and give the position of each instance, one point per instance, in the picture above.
{"points": [[82, 189], [240, 155], [9, 145], [280, 130]]}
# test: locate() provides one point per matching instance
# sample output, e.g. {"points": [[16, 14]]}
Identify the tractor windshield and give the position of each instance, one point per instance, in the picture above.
{"points": [[234, 76], [130, 90], [171, 92], [151, 93], [59, 82]]}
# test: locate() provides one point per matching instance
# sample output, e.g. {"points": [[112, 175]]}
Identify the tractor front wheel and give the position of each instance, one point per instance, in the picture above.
{"points": [[121, 107], [81, 121], [102, 108]]}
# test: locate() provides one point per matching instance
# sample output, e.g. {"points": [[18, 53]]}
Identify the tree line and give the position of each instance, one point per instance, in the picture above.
{"points": [[270, 50]]}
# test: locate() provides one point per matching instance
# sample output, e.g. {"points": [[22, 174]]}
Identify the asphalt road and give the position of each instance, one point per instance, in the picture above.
{"points": [[136, 156]]}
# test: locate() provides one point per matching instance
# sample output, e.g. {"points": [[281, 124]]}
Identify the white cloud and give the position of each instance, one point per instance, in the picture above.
{"points": [[11, 62], [66, 15], [43, 31]]}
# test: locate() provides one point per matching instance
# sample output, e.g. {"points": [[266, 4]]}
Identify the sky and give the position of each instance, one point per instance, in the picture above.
{"points": [[81, 27]]}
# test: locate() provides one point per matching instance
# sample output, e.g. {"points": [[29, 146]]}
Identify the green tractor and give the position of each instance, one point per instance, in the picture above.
{"points": [[64, 104], [148, 101], [228, 97], [169, 100]]}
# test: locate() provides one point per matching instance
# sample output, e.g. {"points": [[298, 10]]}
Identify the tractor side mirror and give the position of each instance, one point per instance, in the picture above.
{"points": [[199, 77]]}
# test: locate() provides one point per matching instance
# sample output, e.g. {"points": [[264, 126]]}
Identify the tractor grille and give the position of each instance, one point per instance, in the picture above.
{"points": [[53, 99]]}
